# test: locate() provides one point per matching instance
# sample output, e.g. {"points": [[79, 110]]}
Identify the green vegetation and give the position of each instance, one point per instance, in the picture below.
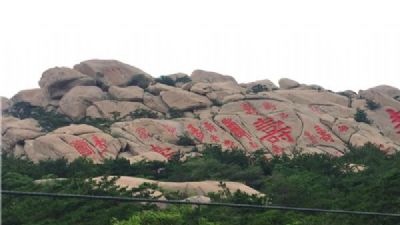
{"points": [[317, 181], [372, 105], [185, 140], [175, 113], [259, 88], [361, 116], [184, 79], [48, 120], [165, 80]]}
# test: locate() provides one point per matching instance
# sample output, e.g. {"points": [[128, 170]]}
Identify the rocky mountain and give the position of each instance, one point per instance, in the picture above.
{"points": [[108, 109]]}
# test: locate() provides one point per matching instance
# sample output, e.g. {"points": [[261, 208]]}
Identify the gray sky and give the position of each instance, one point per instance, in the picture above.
{"points": [[337, 44]]}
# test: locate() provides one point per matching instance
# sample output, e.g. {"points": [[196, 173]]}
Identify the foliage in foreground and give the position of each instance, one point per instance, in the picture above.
{"points": [[317, 181]]}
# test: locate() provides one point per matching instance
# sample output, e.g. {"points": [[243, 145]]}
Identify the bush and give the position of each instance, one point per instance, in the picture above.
{"points": [[165, 80], [259, 88], [372, 105], [48, 120], [175, 113], [361, 116], [185, 141], [143, 113], [184, 79]]}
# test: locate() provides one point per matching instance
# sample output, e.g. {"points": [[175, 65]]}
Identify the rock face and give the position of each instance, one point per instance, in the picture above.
{"points": [[131, 93], [75, 102], [148, 120], [113, 72], [286, 83], [201, 188], [59, 80], [184, 100]]}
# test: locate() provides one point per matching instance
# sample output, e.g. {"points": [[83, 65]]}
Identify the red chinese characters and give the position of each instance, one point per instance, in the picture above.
{"points": [[238, 131], [343, 128], [311, 137], [166, 152], [315, 109], [142, 132], [277, 150], [248, 108], [229, 144], [323, 134], [268, 106], [214, 138], [101, 144], [196, 132], [171, 130], [395, 117], [82, 147], [209, 127], [283, 115], [275, 130]]}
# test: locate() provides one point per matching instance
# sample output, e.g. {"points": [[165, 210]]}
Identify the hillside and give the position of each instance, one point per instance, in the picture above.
{"points": [[107, 109]]}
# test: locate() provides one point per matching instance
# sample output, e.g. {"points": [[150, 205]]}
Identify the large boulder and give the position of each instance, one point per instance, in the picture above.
{"points": [[131, 93], [72, 142], [109, 109], [5, 104], [113, 72], [155, 103], [35, 97], [59, 80], [75, 102], [189, 188], [286, 83], [184, 100], [15, 131], [210, 77]]}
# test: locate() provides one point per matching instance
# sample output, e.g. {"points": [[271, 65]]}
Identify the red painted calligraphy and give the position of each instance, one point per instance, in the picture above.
{"points": [[166, 152], [209, 127], [248, 108], [215, 138], [311, 137], [395, 117], [323, 134], [235, 129], [276, 150], [82, 147], [269, 106], [315, 109], [229, 144], [343, 128], [196, 132], [142, 132], [274, 130], [171, 130], [101, 144], [283, 115]]}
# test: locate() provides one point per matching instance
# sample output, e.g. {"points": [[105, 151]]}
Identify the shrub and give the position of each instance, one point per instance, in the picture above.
{"points": [[372, 105], [175, 113], [361, 116], [165, 80], [185, 141], [259, 88], [184, 79], [48, 120], [143, 113]]}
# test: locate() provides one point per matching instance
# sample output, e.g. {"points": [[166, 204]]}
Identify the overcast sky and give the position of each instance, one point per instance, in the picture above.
{"points": [[337, 44]]}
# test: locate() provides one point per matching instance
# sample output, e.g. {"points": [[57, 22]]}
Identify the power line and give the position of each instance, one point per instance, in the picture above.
{"points": [[184, 202]]}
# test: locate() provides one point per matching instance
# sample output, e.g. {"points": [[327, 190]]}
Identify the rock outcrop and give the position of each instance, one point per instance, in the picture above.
{"points": [[149, 120]]}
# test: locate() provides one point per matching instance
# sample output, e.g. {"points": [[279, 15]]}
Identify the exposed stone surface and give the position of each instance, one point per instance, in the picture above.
{"points": [[5, 104], [113, 72], [286, 83], [131, 93], [211, 109], [210, 77], [184, 100], [59, 80], [201, 188], [75, 102], [35, 97], [14, 131], [110, 109]]}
